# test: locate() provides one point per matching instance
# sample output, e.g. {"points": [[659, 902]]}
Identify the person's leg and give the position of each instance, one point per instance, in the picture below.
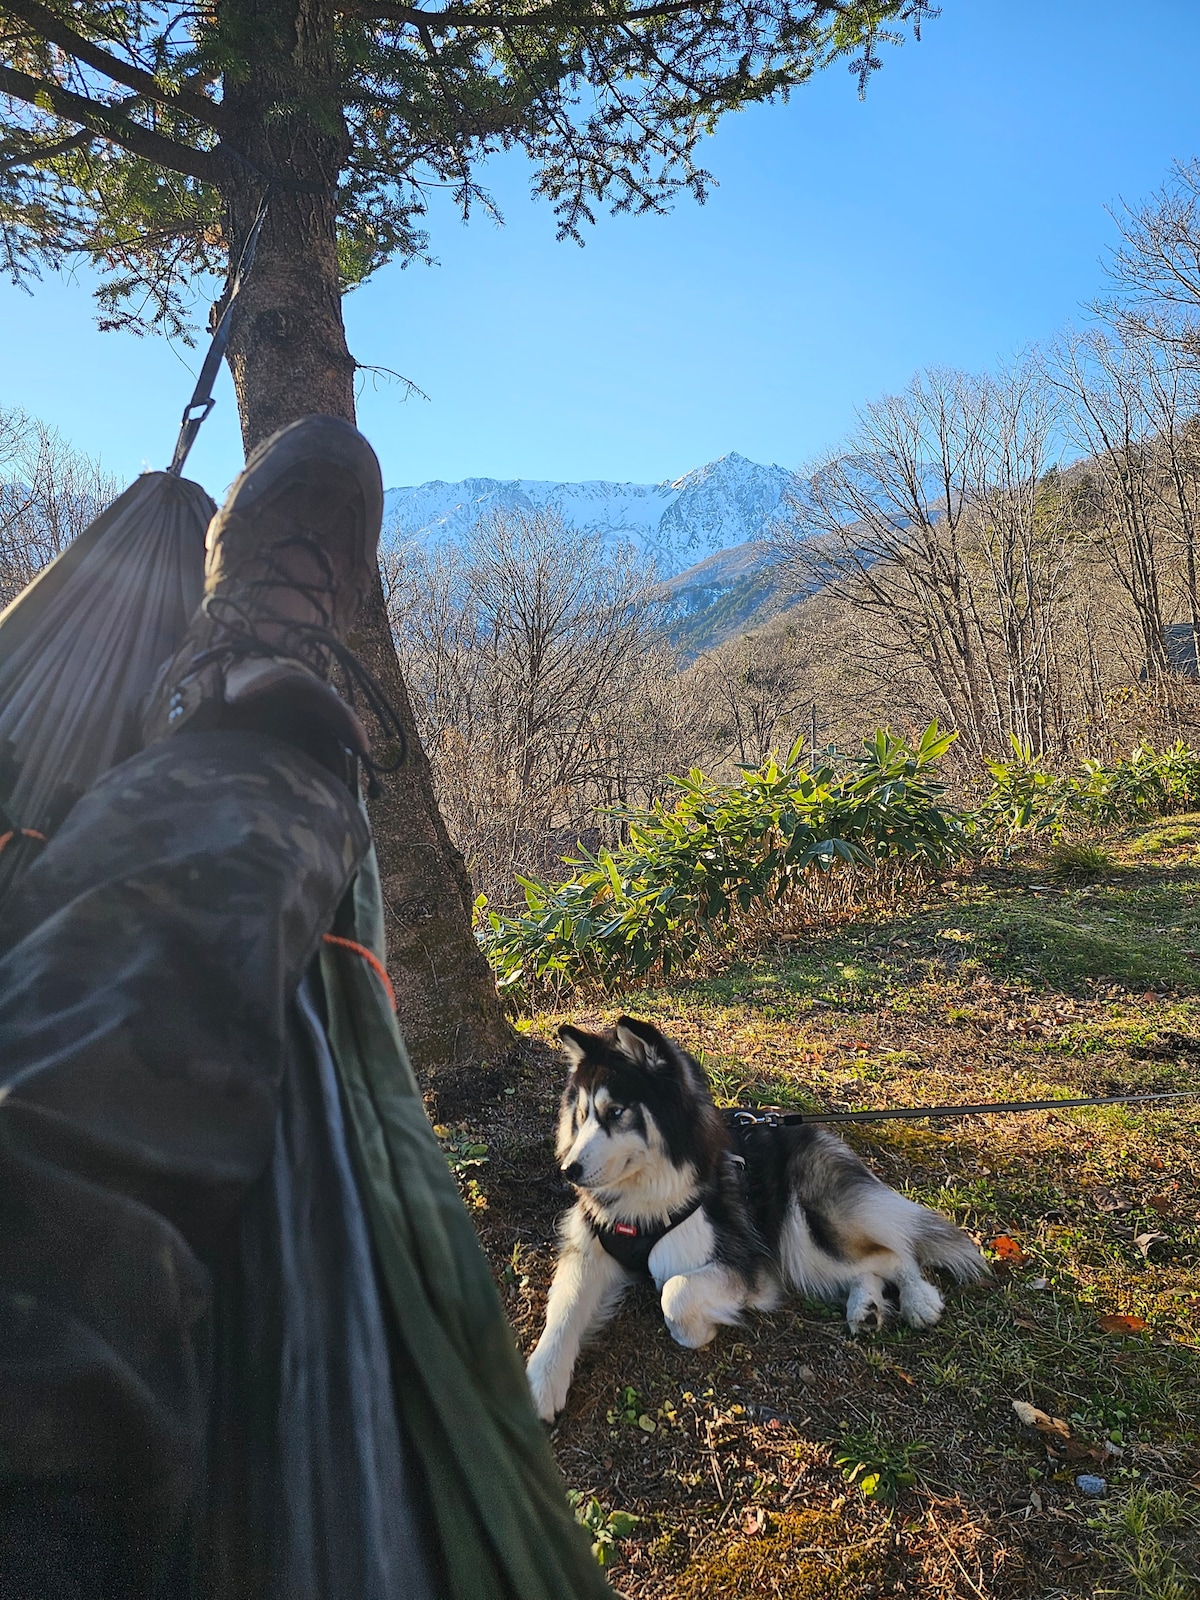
{"points": [[150, 963]]}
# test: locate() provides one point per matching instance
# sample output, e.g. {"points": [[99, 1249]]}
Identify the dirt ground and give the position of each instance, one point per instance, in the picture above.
{"points": [[787, 1459]]}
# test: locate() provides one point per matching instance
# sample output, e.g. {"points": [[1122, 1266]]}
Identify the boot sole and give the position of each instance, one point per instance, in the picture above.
{"points": [[295, 450]]}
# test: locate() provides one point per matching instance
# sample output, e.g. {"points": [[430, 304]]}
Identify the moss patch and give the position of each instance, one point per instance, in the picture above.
{"points": [[800, 1555]]}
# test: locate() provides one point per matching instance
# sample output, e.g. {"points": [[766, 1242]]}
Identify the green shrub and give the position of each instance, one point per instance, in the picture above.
{"points": [[726, 858], [724, 852], [1025, 796]]}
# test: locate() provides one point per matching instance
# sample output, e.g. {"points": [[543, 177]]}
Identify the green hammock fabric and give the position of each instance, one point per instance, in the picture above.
{"points": [[504, 1528], [78, 651]]}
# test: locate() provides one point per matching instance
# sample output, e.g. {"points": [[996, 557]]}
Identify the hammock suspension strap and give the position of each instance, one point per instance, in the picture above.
{"points": [[202, 402]]}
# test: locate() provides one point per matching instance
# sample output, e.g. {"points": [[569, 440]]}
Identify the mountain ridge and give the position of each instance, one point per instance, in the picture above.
{"points": [[679, 522]]}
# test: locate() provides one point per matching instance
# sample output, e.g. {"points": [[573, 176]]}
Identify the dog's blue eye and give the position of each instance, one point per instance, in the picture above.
{"points": [[618, 1112]]}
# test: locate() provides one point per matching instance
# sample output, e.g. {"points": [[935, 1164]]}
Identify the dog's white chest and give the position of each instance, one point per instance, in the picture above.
{"points": [[686, 1248]]}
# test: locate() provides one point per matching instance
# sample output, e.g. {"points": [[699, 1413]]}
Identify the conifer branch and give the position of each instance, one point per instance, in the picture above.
{"points": [[548, 16], [108, 123], [33, 153], [48, 25]]}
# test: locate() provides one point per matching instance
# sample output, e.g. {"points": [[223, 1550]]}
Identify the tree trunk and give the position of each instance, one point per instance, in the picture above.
{"points": [[289, 359]]}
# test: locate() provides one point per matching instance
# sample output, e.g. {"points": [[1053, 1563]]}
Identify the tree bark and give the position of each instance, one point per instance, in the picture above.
{"points": [[289, 359]]}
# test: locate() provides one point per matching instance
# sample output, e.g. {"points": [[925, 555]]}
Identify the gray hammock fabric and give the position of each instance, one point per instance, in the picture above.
{"points": [[364, 1238], [80, 647]]}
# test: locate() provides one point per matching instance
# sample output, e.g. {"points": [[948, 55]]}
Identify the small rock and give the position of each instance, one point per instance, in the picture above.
{"points": [[1087, 1483], [805, 1375]]}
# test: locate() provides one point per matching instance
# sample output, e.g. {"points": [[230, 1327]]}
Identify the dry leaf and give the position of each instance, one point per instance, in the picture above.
{"points": [[1054, 1433], [1114, 1323], [754, 1521], [1064, 1556], [1143, 1242], [1009, 1250], [1160, 1203]]}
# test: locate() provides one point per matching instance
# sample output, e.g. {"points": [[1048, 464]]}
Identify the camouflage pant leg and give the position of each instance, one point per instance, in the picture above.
{"points": [[149, 969]]}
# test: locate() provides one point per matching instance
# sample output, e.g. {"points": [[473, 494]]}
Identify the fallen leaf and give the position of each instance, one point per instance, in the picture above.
{"points": [[1046, 1427], [1054, 1433], [1115, 1323], [1156, 1163], [1039, 1283], [754, 1521], [1160, 1203], [1143, 1242], [1009, 1250], [1064, 1556], [1027, 1323]]}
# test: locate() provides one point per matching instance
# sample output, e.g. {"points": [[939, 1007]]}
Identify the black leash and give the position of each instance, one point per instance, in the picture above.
{"points": [[202, 402], [741, 1118]]}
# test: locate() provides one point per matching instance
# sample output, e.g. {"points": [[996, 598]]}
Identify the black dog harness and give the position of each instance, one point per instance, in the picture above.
{"points": [[630, 1243]]}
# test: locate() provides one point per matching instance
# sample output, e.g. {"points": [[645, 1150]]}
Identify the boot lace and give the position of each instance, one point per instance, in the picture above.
{"points": [[239, 616]]}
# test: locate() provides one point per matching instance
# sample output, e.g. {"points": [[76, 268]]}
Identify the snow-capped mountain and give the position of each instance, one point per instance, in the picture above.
{"points": [[732, 501]]}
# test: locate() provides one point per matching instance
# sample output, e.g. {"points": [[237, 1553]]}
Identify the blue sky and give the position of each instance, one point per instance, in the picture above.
{"points": [[955, 217]]}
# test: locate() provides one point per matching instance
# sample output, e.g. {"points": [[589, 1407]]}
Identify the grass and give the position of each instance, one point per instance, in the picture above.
{"points": [[786, 1459], [1081, 862]]}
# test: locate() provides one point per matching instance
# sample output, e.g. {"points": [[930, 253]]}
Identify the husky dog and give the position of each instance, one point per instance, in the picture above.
{"points": [[722, 1217]]}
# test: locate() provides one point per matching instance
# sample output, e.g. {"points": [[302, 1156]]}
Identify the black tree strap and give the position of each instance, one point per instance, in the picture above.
{"points": [[741, 1118], [202, 402]]}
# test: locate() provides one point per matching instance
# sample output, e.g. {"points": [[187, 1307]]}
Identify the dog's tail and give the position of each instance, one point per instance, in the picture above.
{"points": [[938, 1243]]}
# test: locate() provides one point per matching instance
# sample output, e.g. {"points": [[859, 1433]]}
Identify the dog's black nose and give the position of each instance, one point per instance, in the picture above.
{"points": [[573, 1173]]}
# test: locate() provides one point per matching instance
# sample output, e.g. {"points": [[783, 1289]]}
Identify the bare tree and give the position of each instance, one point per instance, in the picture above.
{"points": [[1155, 270], [530, 652], [1132, 411], [940, 523], [48, 495], [756, 691]]}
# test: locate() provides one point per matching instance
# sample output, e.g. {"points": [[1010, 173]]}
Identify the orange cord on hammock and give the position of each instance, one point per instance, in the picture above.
{"points": [[21, 833], [368, 956]]}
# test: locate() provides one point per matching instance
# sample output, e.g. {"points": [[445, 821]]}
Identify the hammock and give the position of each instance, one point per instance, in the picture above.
{"points": [[78, 651]]}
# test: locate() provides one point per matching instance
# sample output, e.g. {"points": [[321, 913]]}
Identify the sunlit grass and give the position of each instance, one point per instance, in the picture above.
{"points": [[994, 989]]}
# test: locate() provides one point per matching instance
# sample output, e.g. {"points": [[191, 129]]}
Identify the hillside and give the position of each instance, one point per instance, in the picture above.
{"points": [[724, 595]]}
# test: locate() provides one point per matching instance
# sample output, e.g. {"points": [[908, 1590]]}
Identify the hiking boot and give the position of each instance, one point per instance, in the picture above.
{"points": [[291, 556]]}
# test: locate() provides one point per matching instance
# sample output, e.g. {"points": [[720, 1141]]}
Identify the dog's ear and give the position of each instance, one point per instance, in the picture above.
{"points": [[642, 1043], [576, 1044]]}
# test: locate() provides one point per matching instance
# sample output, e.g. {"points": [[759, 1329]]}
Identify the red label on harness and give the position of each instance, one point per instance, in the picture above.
{"points": [[626, 1229]]}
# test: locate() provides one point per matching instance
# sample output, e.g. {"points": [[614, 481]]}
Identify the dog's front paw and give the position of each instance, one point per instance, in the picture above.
{"points": [[684, 1314], [866, 1309], [548, 1388], [920, 1304]]}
